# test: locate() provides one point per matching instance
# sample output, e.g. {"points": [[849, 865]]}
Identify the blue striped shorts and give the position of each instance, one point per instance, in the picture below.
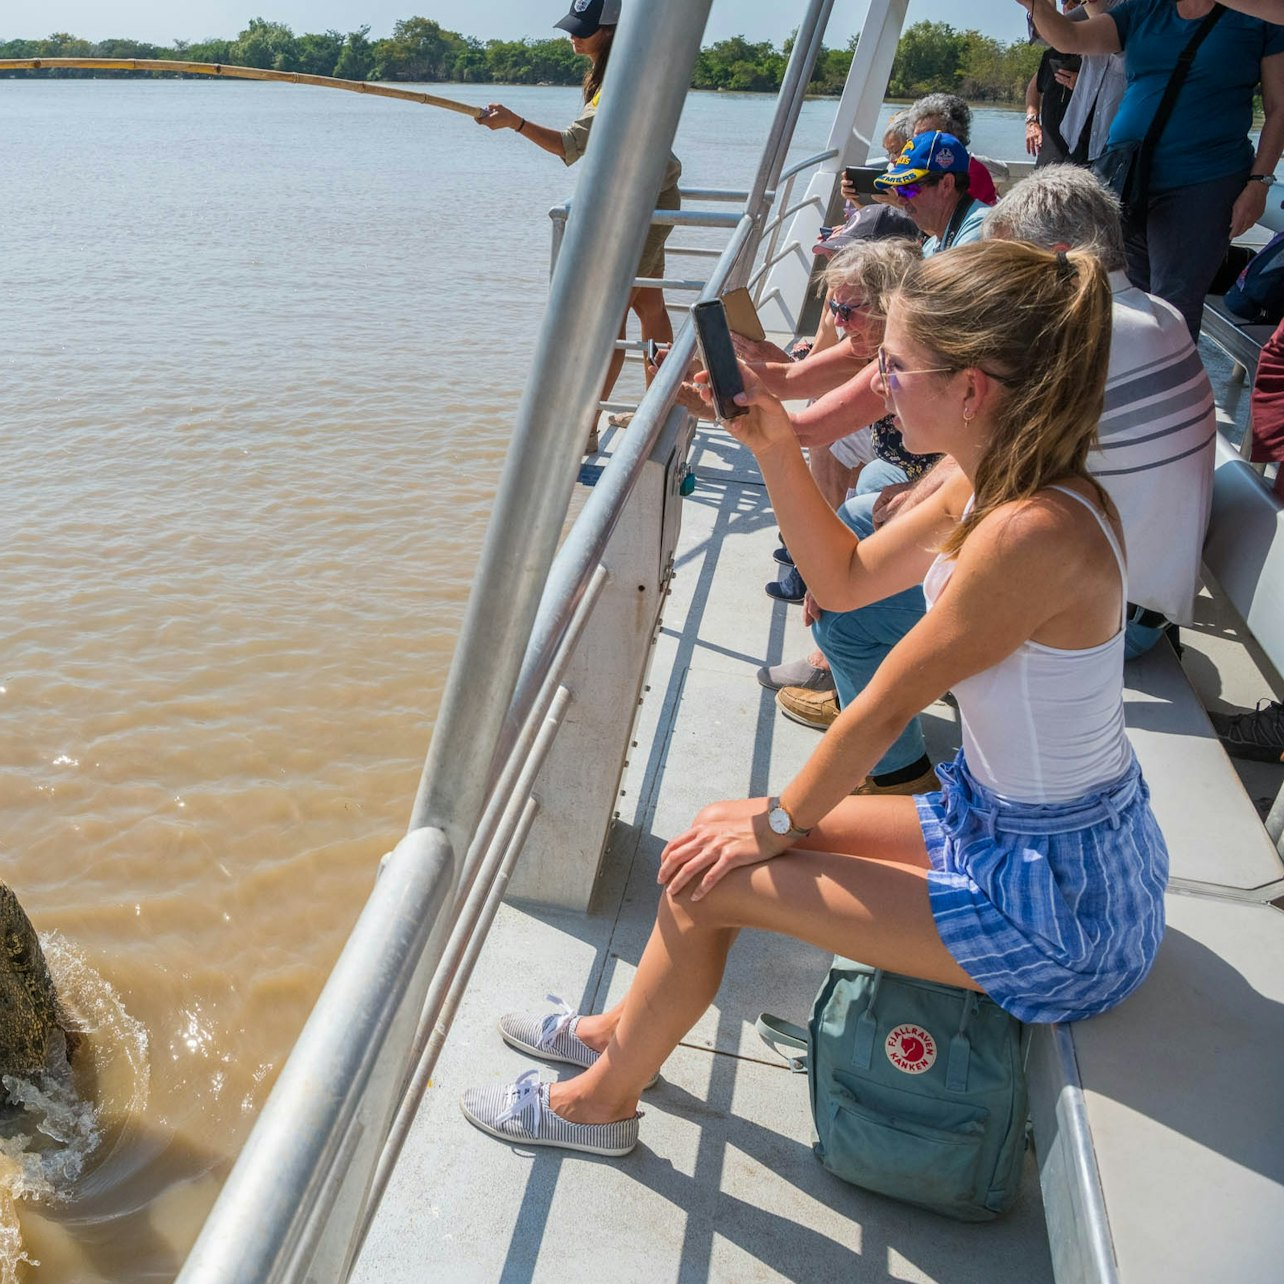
{"points": [[1055, 910]]}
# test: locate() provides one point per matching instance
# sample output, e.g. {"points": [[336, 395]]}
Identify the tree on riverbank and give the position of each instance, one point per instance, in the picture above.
{"points": [[931, 56]]}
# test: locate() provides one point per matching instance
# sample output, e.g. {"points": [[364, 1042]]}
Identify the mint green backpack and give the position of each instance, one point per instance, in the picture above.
{"points": [[917, 1089]]}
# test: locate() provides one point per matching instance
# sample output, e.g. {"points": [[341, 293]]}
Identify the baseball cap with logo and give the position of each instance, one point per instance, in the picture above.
{"points": [[586, 16], [929, 153]]}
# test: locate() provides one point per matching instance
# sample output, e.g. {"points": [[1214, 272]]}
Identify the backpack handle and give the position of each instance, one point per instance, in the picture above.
{"points": [[778, 1034]]}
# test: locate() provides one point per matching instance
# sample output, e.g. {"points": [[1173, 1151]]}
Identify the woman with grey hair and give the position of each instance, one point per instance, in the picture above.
{"points": [[951, 115], [946, 112]]}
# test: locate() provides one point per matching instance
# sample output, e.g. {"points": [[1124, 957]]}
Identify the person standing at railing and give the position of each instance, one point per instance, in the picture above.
{"points": [[1204, 184], [1036, 872], [591, 25]]}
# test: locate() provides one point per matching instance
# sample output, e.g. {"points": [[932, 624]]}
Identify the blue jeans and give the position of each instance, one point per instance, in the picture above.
{"points": [[856, 642]]}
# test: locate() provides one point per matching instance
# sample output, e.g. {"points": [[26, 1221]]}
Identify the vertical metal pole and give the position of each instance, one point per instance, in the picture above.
{"points": [[793, 90], [851, 137], [646, 86]]}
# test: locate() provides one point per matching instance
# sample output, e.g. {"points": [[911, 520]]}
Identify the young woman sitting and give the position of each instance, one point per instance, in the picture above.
{"points": [[1036, 873]]}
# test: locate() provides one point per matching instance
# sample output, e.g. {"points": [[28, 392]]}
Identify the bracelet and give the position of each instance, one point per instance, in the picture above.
{"points": [[522, 125], [1031, 120]]}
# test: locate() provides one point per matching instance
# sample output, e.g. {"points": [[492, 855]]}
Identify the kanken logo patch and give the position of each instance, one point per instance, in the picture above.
{"points": [[911, 1049]]}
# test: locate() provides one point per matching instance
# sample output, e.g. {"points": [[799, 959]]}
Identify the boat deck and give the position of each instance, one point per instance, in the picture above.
{"points": [[723, 1185]]}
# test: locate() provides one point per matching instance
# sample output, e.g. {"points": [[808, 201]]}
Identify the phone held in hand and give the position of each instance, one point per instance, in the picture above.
{"points": [[651, 351], [862, 177], [742, 316], [719, 357]]}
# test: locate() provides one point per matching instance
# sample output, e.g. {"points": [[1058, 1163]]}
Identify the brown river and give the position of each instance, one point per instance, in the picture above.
{"points": [[260, 352]]}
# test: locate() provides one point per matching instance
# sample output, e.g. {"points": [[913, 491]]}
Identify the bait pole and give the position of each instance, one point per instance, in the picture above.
{"points": [[239, 73]]}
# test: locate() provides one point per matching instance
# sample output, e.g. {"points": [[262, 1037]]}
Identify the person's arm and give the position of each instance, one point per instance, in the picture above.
{"points": [[817, 374], [1250, 205], [1097, 35], [896, 500], [837, 413], [841, 571], [497, 116], [1033, 130], [1011, 577]]}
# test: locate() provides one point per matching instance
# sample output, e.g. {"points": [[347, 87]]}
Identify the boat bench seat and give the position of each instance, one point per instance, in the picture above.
{"points": [[1240, 341], [1159, 1125]]}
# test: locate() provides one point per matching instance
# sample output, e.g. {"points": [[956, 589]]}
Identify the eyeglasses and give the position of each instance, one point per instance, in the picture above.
{"points": [[846, 310], [891, 378], [909, 191]]}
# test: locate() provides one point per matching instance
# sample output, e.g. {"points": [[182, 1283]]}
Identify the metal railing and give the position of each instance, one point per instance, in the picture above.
{"points": [[301, 1196]]}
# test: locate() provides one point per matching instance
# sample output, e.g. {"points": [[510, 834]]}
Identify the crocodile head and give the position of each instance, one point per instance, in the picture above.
{"points": [[29, 1014]]}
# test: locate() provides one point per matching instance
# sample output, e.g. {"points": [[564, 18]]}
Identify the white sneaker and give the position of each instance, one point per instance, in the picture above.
{"points": [[520, 1113], [551, 1038]]}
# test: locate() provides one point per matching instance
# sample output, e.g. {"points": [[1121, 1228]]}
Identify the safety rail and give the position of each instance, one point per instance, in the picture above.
{"points": [[300, 1197]]}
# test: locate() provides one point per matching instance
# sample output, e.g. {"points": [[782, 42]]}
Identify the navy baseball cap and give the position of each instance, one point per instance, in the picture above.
{"points": [[586, 16], [935, 152]]}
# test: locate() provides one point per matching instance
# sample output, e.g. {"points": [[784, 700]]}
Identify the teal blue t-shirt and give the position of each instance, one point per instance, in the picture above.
{"points": [[1207, 134]]}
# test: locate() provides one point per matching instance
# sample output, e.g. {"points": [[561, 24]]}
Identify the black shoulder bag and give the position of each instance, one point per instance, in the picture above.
{"points": [[1125, 167]]}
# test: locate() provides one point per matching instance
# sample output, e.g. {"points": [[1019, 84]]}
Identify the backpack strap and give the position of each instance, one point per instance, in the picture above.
{"points": [[867, 1027], [778, 1034], [961, 1047], [1173, 89]]}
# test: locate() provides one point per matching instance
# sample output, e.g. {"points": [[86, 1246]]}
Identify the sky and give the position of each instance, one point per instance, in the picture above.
{"points": [[161, 21]]}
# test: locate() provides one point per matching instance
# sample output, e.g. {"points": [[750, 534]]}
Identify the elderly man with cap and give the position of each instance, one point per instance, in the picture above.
{"points": [[591, 25], [931, 180]]}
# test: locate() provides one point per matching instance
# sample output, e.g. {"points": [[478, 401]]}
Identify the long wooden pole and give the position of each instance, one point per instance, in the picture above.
{"points": [[239, 73]]}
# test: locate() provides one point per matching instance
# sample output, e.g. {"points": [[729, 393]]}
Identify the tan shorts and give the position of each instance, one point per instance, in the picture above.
{"points": [[652, 261]]}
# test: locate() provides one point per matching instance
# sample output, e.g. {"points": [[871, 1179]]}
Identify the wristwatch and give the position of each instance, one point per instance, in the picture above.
{"points": [[782, 822], [1266, 180]]}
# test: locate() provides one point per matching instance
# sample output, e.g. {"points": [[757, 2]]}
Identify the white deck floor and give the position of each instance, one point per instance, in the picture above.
{"points": [[724, 1185]]}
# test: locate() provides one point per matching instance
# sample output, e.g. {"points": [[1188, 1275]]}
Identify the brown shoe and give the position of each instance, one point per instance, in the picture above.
{"points": [[927, 783], [816, 709]]}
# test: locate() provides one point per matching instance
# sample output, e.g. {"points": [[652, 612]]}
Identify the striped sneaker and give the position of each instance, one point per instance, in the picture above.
{"points": [[520, 1113], [551, 1038]]}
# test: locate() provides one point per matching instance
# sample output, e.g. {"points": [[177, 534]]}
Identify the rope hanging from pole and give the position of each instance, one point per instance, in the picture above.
{"points": [[239, 73]]}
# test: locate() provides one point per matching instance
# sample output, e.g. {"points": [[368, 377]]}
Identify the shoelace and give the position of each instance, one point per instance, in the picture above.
{"points": [[556, 1023], [522, 1095]]}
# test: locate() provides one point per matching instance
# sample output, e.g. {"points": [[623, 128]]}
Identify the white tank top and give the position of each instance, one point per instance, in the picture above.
{"points": [[1045, 725]]}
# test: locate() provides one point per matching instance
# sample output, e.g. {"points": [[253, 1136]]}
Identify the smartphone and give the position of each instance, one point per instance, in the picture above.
{"points": [[653, 352], [862, 177], [714, 338], [742, 316]]}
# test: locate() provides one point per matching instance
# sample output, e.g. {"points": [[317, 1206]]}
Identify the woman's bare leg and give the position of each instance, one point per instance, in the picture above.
{"points": [[872, 907], [653, 317]]}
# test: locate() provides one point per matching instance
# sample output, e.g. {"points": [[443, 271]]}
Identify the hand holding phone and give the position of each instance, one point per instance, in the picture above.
{"points": [[861, 178], [719, 356]]}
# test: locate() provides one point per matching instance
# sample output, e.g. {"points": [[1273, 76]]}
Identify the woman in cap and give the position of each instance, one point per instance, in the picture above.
{"points": [[591, 25]]}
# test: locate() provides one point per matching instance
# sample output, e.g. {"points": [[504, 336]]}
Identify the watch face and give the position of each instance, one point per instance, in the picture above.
{"points": [[778, 819]]}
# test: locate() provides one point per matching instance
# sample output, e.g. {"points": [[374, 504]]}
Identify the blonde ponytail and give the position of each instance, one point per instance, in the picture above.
{"points": [[1037, 320]]}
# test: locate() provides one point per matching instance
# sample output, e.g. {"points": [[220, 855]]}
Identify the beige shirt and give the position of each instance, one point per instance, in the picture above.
{"points": [[575, 140]]}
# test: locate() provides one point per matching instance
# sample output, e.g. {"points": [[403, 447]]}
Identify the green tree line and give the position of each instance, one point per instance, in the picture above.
{"points": [[931, 56]]}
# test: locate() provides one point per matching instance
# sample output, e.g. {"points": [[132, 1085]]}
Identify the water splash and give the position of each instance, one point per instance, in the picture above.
{"points": [[52, 1123]]}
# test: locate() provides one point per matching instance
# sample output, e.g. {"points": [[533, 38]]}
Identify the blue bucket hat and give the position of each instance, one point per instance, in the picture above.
{"points": [[930, 153]]}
